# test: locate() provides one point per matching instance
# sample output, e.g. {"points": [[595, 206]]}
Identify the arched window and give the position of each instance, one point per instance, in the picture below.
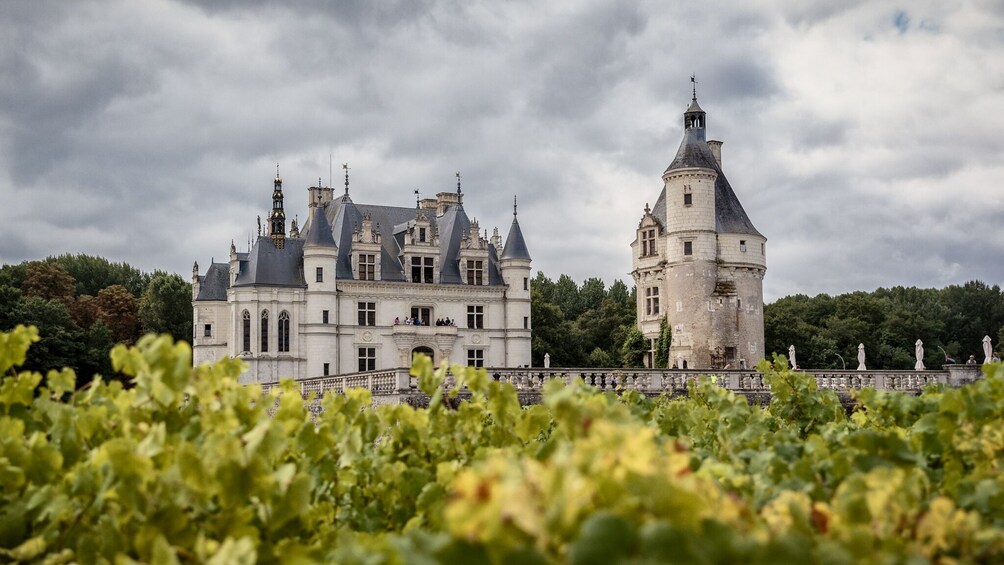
{"points": [[264, 331], [246, 316], [284, 332]]}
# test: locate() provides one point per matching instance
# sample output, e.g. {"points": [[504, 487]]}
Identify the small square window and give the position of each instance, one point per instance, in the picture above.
{"points": [[688, 199], [688, 247], [476, 358], [207, 330]]}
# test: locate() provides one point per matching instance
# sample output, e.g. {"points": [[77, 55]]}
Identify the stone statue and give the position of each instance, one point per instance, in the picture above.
{"points": [[988, 350], [679, 360], [547, 360], [861, 357], [919, 350], [791, 357]]}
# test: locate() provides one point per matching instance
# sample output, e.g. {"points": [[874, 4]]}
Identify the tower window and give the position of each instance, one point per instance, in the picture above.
{"points": [[476, 358], [742, 245], [324, 317], [526, 322], [688, 248], [648, 242], [319, 274], [367, 313], [367, 267], [476, 317], [264, 331], [207, 330], [763, 249], [652, 301], [327, 369], [367, 358], [284, 332], [526, 283], [246, 330], [688, 199], [475, 272]]}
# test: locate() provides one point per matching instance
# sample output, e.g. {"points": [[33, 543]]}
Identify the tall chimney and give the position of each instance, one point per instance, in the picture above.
{"points": [[716, 150]]}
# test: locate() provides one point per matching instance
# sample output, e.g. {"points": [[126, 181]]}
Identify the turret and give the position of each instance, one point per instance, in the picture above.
{"points": [[515, 262], [195, 280]]}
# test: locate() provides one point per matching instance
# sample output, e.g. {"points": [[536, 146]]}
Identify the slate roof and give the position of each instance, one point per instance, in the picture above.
{"points": [[515, 245], [694, 152], [214, 285], [267, 265], [319, 232]]}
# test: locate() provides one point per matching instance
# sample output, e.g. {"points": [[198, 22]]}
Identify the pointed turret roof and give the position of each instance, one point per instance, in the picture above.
{"points": [[515, 245], [319, 234]]}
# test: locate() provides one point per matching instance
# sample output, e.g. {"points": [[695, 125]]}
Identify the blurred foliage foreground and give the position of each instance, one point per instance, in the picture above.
{"points": [[186, 465]]}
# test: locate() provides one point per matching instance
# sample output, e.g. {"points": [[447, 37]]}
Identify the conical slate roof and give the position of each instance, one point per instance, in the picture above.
{"points": [[319, 234], [515, 245]]}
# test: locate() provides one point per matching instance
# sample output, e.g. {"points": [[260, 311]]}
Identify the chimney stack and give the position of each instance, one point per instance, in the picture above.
{"points": [[716, 150]]}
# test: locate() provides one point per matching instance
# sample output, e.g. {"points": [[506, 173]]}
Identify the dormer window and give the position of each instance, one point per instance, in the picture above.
{"points": [[422, 270], [475, 272], [421, 235], [367, 266], [648, 242]]}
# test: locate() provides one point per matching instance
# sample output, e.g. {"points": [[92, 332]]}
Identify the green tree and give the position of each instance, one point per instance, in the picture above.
{"points": [[663, 343], [166, 306], [95, 273], [634, 348]]}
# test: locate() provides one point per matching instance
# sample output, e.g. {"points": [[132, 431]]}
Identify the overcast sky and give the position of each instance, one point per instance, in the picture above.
{"points": [[864, 139]]}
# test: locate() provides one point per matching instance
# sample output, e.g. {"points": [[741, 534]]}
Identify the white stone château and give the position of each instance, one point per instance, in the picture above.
{"points": [[698, 261], [334, 298]]}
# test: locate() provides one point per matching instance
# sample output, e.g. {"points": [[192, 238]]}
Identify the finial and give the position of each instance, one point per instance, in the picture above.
{"points": [[416, 199], [277, 171], [345, 166], [693, 80], [513, 206], [458, 182], [318, 182]]}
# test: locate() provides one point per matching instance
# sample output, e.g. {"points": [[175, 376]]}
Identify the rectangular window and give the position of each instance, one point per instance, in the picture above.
{"points": [[652, 301], [742, 245], [207, 331], [324, 317], [476, 358], [526, 322], [688, 247], [367, 267], [475, 272], [688, 199], [476, 317], [730, 354], [326, 369], [526, 283], [421, 270], [319, 274], [763, 248], [367, 358], [648, 242], [421, 234], [420, 313], [367, 313]]}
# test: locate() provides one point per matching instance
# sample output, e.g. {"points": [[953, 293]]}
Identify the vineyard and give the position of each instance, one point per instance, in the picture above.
{"points": [[185, 465]]}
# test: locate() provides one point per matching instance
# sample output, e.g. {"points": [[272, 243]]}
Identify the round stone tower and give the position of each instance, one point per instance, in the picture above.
{"points": [[699, 261]]}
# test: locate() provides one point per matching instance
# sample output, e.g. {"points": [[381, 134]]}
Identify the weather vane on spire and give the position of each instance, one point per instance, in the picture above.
{"points": [[277, 171], [416, 199], [514, 206], [458, 182], [693, 80], [346, 167]]}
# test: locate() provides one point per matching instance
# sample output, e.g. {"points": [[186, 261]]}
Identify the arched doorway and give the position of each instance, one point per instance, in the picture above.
{"points": [[425, 351]]}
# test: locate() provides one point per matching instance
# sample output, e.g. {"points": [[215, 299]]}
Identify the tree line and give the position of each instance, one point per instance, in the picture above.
{"points": [[83, 305]]}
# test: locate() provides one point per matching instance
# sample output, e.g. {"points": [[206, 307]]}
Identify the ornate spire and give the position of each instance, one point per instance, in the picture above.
{"points": [[693, 81], [345, 166], [458, 182], [417, 200], [277, 218]]}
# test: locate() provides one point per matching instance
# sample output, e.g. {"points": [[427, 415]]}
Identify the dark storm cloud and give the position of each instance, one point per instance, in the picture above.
{"points": [[149, 132]]}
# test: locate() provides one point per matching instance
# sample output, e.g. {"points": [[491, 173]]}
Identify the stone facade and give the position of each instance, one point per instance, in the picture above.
{"points": [[335, 298], [699, 262]]}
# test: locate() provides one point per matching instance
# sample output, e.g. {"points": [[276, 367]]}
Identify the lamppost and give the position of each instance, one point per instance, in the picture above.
{"points": [[841, 360]]}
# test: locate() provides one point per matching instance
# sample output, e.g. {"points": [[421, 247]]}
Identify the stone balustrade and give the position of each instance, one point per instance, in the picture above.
{"points": [[395, 385]]}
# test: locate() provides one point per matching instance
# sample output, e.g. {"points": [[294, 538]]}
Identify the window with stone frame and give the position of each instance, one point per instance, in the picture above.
{"points": [[367, 358], [476, 358], [264, 331], [283, 332], [742, 245], [475, 272], [688, 248], [327, 369], [207, 330], [652, 301], [319, 274], [422, 270], [688, 197], [367, 313], [367, 267], [648, 247], [476, 317], [246, 331], [324, 316]]}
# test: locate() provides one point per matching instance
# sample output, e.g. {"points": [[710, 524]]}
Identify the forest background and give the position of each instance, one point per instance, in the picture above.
{"points": [[83, 305]]}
